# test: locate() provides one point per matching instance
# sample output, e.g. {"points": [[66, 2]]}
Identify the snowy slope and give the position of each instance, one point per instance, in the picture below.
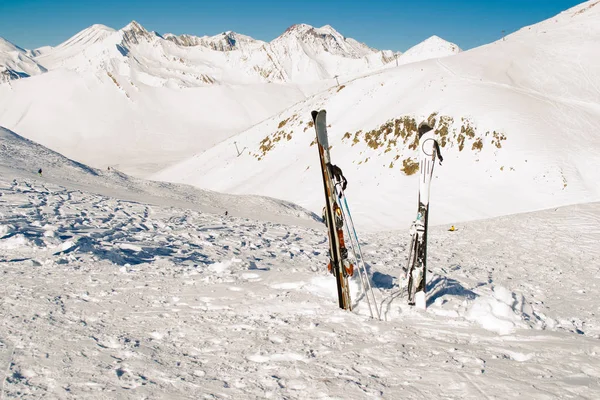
{"points": [[109, 298], [433, 47], [518, 122], [22, 158], [101, 118], [16, 63]]}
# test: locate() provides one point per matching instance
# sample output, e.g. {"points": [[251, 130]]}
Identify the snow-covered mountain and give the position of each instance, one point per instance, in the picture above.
{"points": [[433, 47], [302, 54], [226, 41], [142, 289], [324, 39], [517, 120], [165, 100], [16, 63]]}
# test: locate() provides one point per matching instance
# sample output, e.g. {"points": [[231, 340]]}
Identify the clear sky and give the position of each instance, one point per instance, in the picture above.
{"points": [[383, 24]]}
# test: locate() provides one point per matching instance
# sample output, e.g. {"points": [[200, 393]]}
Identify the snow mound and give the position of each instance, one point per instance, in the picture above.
{"points": [[497, 313]]}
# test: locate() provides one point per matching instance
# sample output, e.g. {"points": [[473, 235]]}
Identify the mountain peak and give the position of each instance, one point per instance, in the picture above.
{"points": [[327, 29], [15, 62], [100, 27], [134, 33], [224, 41], [325, 39], [302, 29], [298, 28], [6, 45], [432, 47], [135, 27]]}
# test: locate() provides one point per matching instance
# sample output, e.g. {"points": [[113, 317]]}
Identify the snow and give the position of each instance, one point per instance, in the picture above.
{"points": [[523, 88], [208, 305], [118, 287], [21, 157]]}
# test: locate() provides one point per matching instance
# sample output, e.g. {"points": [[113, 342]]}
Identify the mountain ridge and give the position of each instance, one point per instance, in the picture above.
{"points": [[301, 54]]}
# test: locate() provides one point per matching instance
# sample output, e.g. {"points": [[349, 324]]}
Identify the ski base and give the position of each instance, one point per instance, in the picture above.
{"points": [[420, 301]]}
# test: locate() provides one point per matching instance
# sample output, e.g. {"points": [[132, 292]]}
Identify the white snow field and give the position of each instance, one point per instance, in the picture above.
{"points": [[103, 296], [519, 119]]}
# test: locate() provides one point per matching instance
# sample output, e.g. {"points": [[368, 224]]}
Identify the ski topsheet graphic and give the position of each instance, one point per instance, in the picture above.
{"points": [[332, 214], [416, 272]]}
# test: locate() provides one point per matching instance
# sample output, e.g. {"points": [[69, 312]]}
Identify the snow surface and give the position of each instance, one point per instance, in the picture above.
{"points": [[22, 158], [539, 87], [102, 297]]}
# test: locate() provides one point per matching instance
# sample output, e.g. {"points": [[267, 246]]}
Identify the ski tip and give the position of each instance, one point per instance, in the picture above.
{"points": [[426, 126], [317, 113], [314, 115]]}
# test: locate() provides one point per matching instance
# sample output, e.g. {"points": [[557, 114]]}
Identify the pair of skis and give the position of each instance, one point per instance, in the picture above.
{"points": [[336, 218]]}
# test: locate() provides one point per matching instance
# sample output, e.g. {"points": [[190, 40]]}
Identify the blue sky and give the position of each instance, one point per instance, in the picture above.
{"points": [[383, 24]]}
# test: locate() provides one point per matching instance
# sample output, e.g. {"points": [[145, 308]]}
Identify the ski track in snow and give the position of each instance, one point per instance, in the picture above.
{"points": [[105, 298]]}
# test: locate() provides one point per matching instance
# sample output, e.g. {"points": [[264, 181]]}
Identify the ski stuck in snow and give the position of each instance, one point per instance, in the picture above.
{"points": [[416, 271], [337, 219]]}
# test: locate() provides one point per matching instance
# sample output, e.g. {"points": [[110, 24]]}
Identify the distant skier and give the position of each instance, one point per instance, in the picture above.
{"points": [[40, 172], [226, 213]]}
